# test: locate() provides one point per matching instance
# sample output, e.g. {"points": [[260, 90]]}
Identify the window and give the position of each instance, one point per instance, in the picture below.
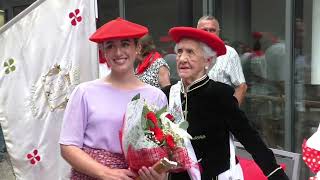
{"points": [[160, 16], [307, 73], [19, 9], [2, 18], [108, 10], [259, 38]]}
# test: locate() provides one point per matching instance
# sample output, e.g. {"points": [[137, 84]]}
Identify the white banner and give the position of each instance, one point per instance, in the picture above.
{"points": [[43, 55]]}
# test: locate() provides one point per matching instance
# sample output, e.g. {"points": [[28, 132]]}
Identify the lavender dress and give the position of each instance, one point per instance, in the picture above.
{"points": [[94, 116]]}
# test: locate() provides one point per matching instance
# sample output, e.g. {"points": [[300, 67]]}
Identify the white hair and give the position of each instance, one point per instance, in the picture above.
{"points": [[208, 52]]}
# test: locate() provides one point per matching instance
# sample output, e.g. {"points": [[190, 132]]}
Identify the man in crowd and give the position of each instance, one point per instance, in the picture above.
{"points": [[227, 68]]}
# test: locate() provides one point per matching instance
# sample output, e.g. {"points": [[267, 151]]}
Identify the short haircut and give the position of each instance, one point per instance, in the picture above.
{"points": [[207, 17]]}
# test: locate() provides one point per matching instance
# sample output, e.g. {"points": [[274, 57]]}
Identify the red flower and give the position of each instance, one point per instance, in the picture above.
{"points": [[170, 117], [152, 117], [170, 141], [158, 134], [34, 157], [75, 17]]}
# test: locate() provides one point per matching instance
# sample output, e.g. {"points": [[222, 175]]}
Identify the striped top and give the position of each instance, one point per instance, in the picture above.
{"points": [[227, 69]]}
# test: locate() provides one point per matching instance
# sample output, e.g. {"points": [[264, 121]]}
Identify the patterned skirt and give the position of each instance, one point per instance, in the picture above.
{"points": [[111, 160]]}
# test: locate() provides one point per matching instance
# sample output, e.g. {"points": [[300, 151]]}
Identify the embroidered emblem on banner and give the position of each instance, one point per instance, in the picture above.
{"points": [[52, 90], [33, 157], [56, 87], [9, 66], [75, 17]]}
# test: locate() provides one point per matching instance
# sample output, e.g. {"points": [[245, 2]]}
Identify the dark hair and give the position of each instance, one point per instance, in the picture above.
{"points": [[147, 45], [257, 45]]}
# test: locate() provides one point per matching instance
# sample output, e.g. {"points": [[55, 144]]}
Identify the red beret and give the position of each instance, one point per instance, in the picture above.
{"points": [[212, 40], [118, 29]]}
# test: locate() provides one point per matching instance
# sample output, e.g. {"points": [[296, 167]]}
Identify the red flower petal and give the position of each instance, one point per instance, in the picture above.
{"points": [[71, 15], [170, 141], [170, 117], [79, 19], [35, 152], [29, 156], [158, 134], [77, 11], [152, 117], [37, 158], [73, 22], [32, 161]]}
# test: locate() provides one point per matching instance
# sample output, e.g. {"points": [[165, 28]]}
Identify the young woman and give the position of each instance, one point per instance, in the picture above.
{"points": [[94, 114]]}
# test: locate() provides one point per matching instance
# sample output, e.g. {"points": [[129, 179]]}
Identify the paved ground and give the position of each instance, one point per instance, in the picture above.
{"points": [[6, 172]]}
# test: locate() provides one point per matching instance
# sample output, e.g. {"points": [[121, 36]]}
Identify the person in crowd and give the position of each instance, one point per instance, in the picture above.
{"points": [[171, 60], [89, 137], [227, 68], [152, 68], [212, 111], [255, 68]]}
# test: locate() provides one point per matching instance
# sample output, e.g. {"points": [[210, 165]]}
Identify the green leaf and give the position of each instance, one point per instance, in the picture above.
{"points": [[7, 71], [184, 125], [11, 61], [144, 122], [162, 110], [145, 110], [12, 68], [5, 64], [136, 97], [149, 124], [159, 123]]}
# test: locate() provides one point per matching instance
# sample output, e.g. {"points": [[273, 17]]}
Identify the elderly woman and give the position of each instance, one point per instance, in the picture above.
{"points": [[211, 111]]}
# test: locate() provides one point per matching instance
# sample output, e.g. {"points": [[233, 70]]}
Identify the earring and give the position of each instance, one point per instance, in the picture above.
{"points": [[206, 68]]}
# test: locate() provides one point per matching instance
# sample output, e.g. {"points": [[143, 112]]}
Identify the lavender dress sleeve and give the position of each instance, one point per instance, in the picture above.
{"points": [[75, 119]]}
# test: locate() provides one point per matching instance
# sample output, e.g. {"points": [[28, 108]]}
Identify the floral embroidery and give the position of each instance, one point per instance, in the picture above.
{"points": [[74, 17], [57, 85], [34, 157], [9, 66]]}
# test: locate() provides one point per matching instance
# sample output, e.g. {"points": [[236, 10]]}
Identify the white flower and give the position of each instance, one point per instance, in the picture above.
{"points": [[174, 126]]}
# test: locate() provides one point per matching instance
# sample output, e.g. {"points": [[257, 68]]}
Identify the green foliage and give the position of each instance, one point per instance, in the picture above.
{"points": [[9, 66], [184, 125], [162, 110], [149, 124], [136, 97]]}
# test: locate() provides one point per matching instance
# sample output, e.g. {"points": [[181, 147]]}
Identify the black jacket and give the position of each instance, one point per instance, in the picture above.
{"points": [[213, 111]]}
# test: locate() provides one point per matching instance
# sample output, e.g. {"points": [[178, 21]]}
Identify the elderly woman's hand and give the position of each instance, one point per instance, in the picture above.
{"points": [[151, 174]]}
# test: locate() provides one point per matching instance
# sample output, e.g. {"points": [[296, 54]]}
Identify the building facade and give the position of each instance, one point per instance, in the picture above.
{"points": [[277, 40]]}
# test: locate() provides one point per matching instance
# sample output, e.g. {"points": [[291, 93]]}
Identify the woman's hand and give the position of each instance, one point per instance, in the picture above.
{"points": [[117, 174], [151, 174]]}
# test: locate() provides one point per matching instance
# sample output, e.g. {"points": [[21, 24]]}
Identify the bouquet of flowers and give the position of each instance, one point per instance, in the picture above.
{"points": [[149, 137]]}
